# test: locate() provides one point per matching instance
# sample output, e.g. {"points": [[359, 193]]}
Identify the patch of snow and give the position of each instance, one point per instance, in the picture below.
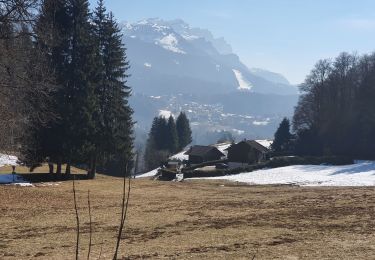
{"points": [[180, 156], [143, 22], [133, 36], [158, 27], [190, 37], [8, 160], [170, 43], [239, 132], [148, 65], [179, 177], [261, 123], [14, 179], [359, 174], [265, 143], [165, 113], [243, 83], [155, 97], [222, 147], [148, 174]]}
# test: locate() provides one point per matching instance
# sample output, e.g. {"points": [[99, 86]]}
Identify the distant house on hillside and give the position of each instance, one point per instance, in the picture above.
{"points": [[247, 151], [200, 153]]}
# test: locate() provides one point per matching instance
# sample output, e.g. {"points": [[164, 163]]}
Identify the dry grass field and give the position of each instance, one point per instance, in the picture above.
{"points": [[189, 220]]}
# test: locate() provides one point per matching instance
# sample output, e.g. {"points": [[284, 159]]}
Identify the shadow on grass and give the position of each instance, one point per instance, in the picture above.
{"points": [[47, 177]]}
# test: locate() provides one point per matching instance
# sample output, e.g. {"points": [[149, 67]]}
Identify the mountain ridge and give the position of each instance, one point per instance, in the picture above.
{"points": [[176, 56]]}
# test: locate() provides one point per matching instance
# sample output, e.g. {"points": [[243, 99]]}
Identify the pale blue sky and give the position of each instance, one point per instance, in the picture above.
{"points": [[285, 36]]}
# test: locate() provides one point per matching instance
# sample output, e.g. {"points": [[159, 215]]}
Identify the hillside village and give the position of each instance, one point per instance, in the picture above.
{"points": [[208, 158]]}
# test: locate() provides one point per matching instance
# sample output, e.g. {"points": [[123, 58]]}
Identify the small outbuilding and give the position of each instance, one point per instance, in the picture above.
{"points": [[201, 153], [247, 151]]}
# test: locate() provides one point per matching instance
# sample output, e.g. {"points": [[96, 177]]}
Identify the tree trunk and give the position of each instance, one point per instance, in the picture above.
{"points": [[50, 166], [67, 170], [58, 167], [92, 171]]}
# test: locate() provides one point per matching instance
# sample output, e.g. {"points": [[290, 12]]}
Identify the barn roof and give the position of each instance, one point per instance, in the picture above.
{"points": [[200, 150], [253, 144]]}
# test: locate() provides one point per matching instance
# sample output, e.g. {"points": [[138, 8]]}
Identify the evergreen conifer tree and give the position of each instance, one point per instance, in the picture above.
{"points": [[172, 139], [114, 116], [281, 142], [52, 32], [156, 149], [80, 112], [183, 131]]}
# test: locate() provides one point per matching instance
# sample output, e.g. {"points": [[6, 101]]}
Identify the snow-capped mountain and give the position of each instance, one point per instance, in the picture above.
{"points": [[172, 57], [175, 67]]}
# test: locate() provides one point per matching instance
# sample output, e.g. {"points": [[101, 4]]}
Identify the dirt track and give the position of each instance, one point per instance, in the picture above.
{"points": [[190, 220]]}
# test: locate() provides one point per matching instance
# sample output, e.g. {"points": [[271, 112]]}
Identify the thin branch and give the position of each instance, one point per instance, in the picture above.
{"points": [[89, 204], [124, 209], [77, 218], [256, 252], [101, 249]]}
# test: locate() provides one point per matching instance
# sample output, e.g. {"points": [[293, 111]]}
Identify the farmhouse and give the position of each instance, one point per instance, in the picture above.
{"points": [[247, 151], [200, 153]]}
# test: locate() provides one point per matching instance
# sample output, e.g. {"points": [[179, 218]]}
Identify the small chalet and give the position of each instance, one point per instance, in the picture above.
{"points": [[200, 153], [247, 151]]}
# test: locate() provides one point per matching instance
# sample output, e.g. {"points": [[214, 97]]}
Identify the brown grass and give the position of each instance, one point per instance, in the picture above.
{"points": [[193, 219]]}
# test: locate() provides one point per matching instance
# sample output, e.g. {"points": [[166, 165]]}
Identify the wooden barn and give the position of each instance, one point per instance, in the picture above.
{"points": [[247, 151], [200, 153]]}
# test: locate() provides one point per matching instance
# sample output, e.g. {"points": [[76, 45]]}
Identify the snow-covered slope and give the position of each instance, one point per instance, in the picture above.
{"points": [[359, 174], [148, 174]]}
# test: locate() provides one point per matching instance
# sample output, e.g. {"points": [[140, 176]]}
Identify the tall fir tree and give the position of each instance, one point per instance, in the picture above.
{"points": [[52, 32], [80, 112], [156, 152], [64, 31], [172, 136], [183, 131], [282, 138], [115, 136]]}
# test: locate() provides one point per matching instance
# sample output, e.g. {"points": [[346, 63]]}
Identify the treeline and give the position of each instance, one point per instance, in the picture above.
{"points": [[84, 117], [165, 138], [336, 111]]}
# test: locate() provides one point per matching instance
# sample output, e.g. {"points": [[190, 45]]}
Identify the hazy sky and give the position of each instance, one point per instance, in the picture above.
{"points": [[285, 36]]}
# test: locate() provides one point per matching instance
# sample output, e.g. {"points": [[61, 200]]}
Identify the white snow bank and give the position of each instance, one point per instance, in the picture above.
{"points": [[18, 180], [8, 160], [359, 174], [148, 174], [243, 83]]}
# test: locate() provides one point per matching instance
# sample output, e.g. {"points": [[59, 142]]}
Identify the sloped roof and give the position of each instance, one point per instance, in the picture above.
{"points": [[265, 142], [200, 150], [253, 144], [257, 145]]}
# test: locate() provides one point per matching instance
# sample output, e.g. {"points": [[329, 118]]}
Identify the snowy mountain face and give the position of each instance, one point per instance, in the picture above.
{"points": [[171, 57]]}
